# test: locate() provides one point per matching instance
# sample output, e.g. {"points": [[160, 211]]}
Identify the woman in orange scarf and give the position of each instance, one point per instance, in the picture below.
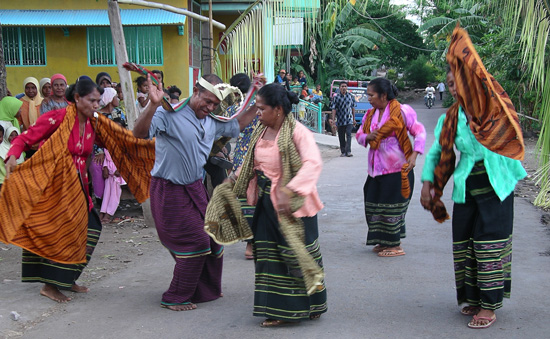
{"points": [[483, 126]]}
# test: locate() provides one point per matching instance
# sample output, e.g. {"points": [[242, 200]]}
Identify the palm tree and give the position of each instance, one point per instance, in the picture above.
{"points": [[532, 17]]}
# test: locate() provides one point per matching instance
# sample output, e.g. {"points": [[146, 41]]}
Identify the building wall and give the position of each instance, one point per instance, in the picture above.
{"points": [[69, 54]]}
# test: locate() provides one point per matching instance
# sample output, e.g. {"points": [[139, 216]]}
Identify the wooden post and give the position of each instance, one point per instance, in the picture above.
{"points": [[122, 57]]}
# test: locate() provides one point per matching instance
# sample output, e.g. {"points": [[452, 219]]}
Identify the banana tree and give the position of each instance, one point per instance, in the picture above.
{"points": [[339, 52]]}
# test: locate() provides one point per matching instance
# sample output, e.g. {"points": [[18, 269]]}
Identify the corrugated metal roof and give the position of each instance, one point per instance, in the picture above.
{"points": [[88, 17]]}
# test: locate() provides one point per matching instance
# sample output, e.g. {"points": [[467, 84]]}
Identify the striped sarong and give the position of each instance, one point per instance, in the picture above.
{"points": [[38, 269], [385, 208], [482, 243], [280, 291], [178, 211]]}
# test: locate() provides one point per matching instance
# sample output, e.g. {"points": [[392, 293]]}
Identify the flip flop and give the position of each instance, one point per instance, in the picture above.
{"points": [[378, 248], [470, 310], [391, 253], [272, 323], [249, 256], [487, 325]]}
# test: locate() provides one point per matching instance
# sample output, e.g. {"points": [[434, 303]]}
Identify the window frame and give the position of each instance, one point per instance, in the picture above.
{"points": [[135, 47], [41, 34]]}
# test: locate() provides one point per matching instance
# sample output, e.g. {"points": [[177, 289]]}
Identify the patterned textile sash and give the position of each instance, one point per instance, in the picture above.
{"points": [[224, 220], [396, 124], [494, 120], [134, 158], [42, 205]]}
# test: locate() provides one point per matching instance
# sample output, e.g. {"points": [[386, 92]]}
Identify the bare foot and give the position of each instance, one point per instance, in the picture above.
{"points": [[184, 307], [53, 293], [79, 289], [248, 252]]}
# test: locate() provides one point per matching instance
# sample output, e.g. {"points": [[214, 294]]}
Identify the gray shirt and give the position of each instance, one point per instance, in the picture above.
{"points": [[183, 143]]}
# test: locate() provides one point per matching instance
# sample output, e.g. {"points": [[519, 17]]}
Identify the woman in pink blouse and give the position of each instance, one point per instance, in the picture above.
{"points": [[280, 294], [385, 206]]}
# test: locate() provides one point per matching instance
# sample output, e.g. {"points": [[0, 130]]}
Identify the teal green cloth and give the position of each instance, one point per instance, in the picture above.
{"points": [[503, 172]]}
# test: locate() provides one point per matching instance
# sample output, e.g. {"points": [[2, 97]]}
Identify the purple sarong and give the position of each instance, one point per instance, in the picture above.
{"points": [[178, 211]]}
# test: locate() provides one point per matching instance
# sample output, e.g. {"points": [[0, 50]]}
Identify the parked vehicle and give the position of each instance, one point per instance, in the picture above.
{"points": [[359, 90]]}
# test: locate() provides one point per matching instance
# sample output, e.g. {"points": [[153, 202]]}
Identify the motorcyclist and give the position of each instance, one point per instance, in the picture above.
{"points": [[430, 92]]}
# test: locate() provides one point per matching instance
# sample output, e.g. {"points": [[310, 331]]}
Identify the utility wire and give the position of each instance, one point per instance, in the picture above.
{"points": [[389, 35]]}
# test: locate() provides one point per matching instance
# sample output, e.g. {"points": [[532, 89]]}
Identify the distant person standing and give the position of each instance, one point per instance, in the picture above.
{"points": [[343, 109], [441, 89]]}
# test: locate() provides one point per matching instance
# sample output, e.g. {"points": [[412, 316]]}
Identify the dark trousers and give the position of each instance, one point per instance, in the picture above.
{"points": [[344, 136], [440, 95]]}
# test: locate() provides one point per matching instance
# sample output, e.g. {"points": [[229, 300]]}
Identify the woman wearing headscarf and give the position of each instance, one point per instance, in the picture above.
{"points": [[103, 80], [10, 111], [51, 217], [30, 110], [484, 127], [392, 157], [57, 99], [288, 261], [45, 87]]}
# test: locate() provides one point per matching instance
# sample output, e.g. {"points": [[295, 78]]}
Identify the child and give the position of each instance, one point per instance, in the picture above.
{"points": [[142, 93], [8, 135], [113, 181], [301, 109]]}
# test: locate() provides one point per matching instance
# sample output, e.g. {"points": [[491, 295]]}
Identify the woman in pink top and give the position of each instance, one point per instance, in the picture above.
{"points": [[280, 293], [385, 207]]}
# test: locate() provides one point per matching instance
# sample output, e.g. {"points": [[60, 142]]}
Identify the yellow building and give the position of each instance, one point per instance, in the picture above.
{"points": [[72, 37]]}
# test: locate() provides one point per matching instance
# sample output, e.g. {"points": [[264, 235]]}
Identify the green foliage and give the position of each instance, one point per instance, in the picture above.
{"points": [[419, 72], [391, 75]]}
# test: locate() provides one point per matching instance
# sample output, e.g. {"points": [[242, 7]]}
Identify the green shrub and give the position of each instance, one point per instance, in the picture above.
{"points": [[420, 72]]}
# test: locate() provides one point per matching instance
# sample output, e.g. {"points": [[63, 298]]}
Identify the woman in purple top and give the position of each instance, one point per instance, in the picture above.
{"points": [[385, 207]]}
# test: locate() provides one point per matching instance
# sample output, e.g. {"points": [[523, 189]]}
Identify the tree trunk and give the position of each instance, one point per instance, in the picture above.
{"points": [[3, 84]]}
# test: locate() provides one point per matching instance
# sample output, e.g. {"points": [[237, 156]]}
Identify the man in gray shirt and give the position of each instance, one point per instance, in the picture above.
{"points": [[178, 196]]}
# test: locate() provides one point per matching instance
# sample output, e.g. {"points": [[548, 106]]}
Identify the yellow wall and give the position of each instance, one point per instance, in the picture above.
{"points": [[69, 55]]}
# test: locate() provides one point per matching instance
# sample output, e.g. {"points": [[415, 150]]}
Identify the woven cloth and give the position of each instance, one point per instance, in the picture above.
{"points": [[224, 221], [43, 208], [395, 124], [494, 120], [291, 228]]}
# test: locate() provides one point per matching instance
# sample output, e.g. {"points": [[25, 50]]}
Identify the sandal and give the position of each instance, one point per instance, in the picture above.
{"points": [[470, 310], [272, 323], [391, 253], [490, 321], [314, 316], [378, 248]]}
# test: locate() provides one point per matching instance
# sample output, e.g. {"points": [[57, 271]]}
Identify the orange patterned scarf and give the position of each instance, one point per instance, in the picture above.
{"points": [[494, 120], [42, 205], [394, 124]]}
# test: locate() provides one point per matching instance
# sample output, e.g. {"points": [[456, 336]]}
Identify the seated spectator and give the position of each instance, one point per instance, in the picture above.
{"points": [[317, 94]]}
